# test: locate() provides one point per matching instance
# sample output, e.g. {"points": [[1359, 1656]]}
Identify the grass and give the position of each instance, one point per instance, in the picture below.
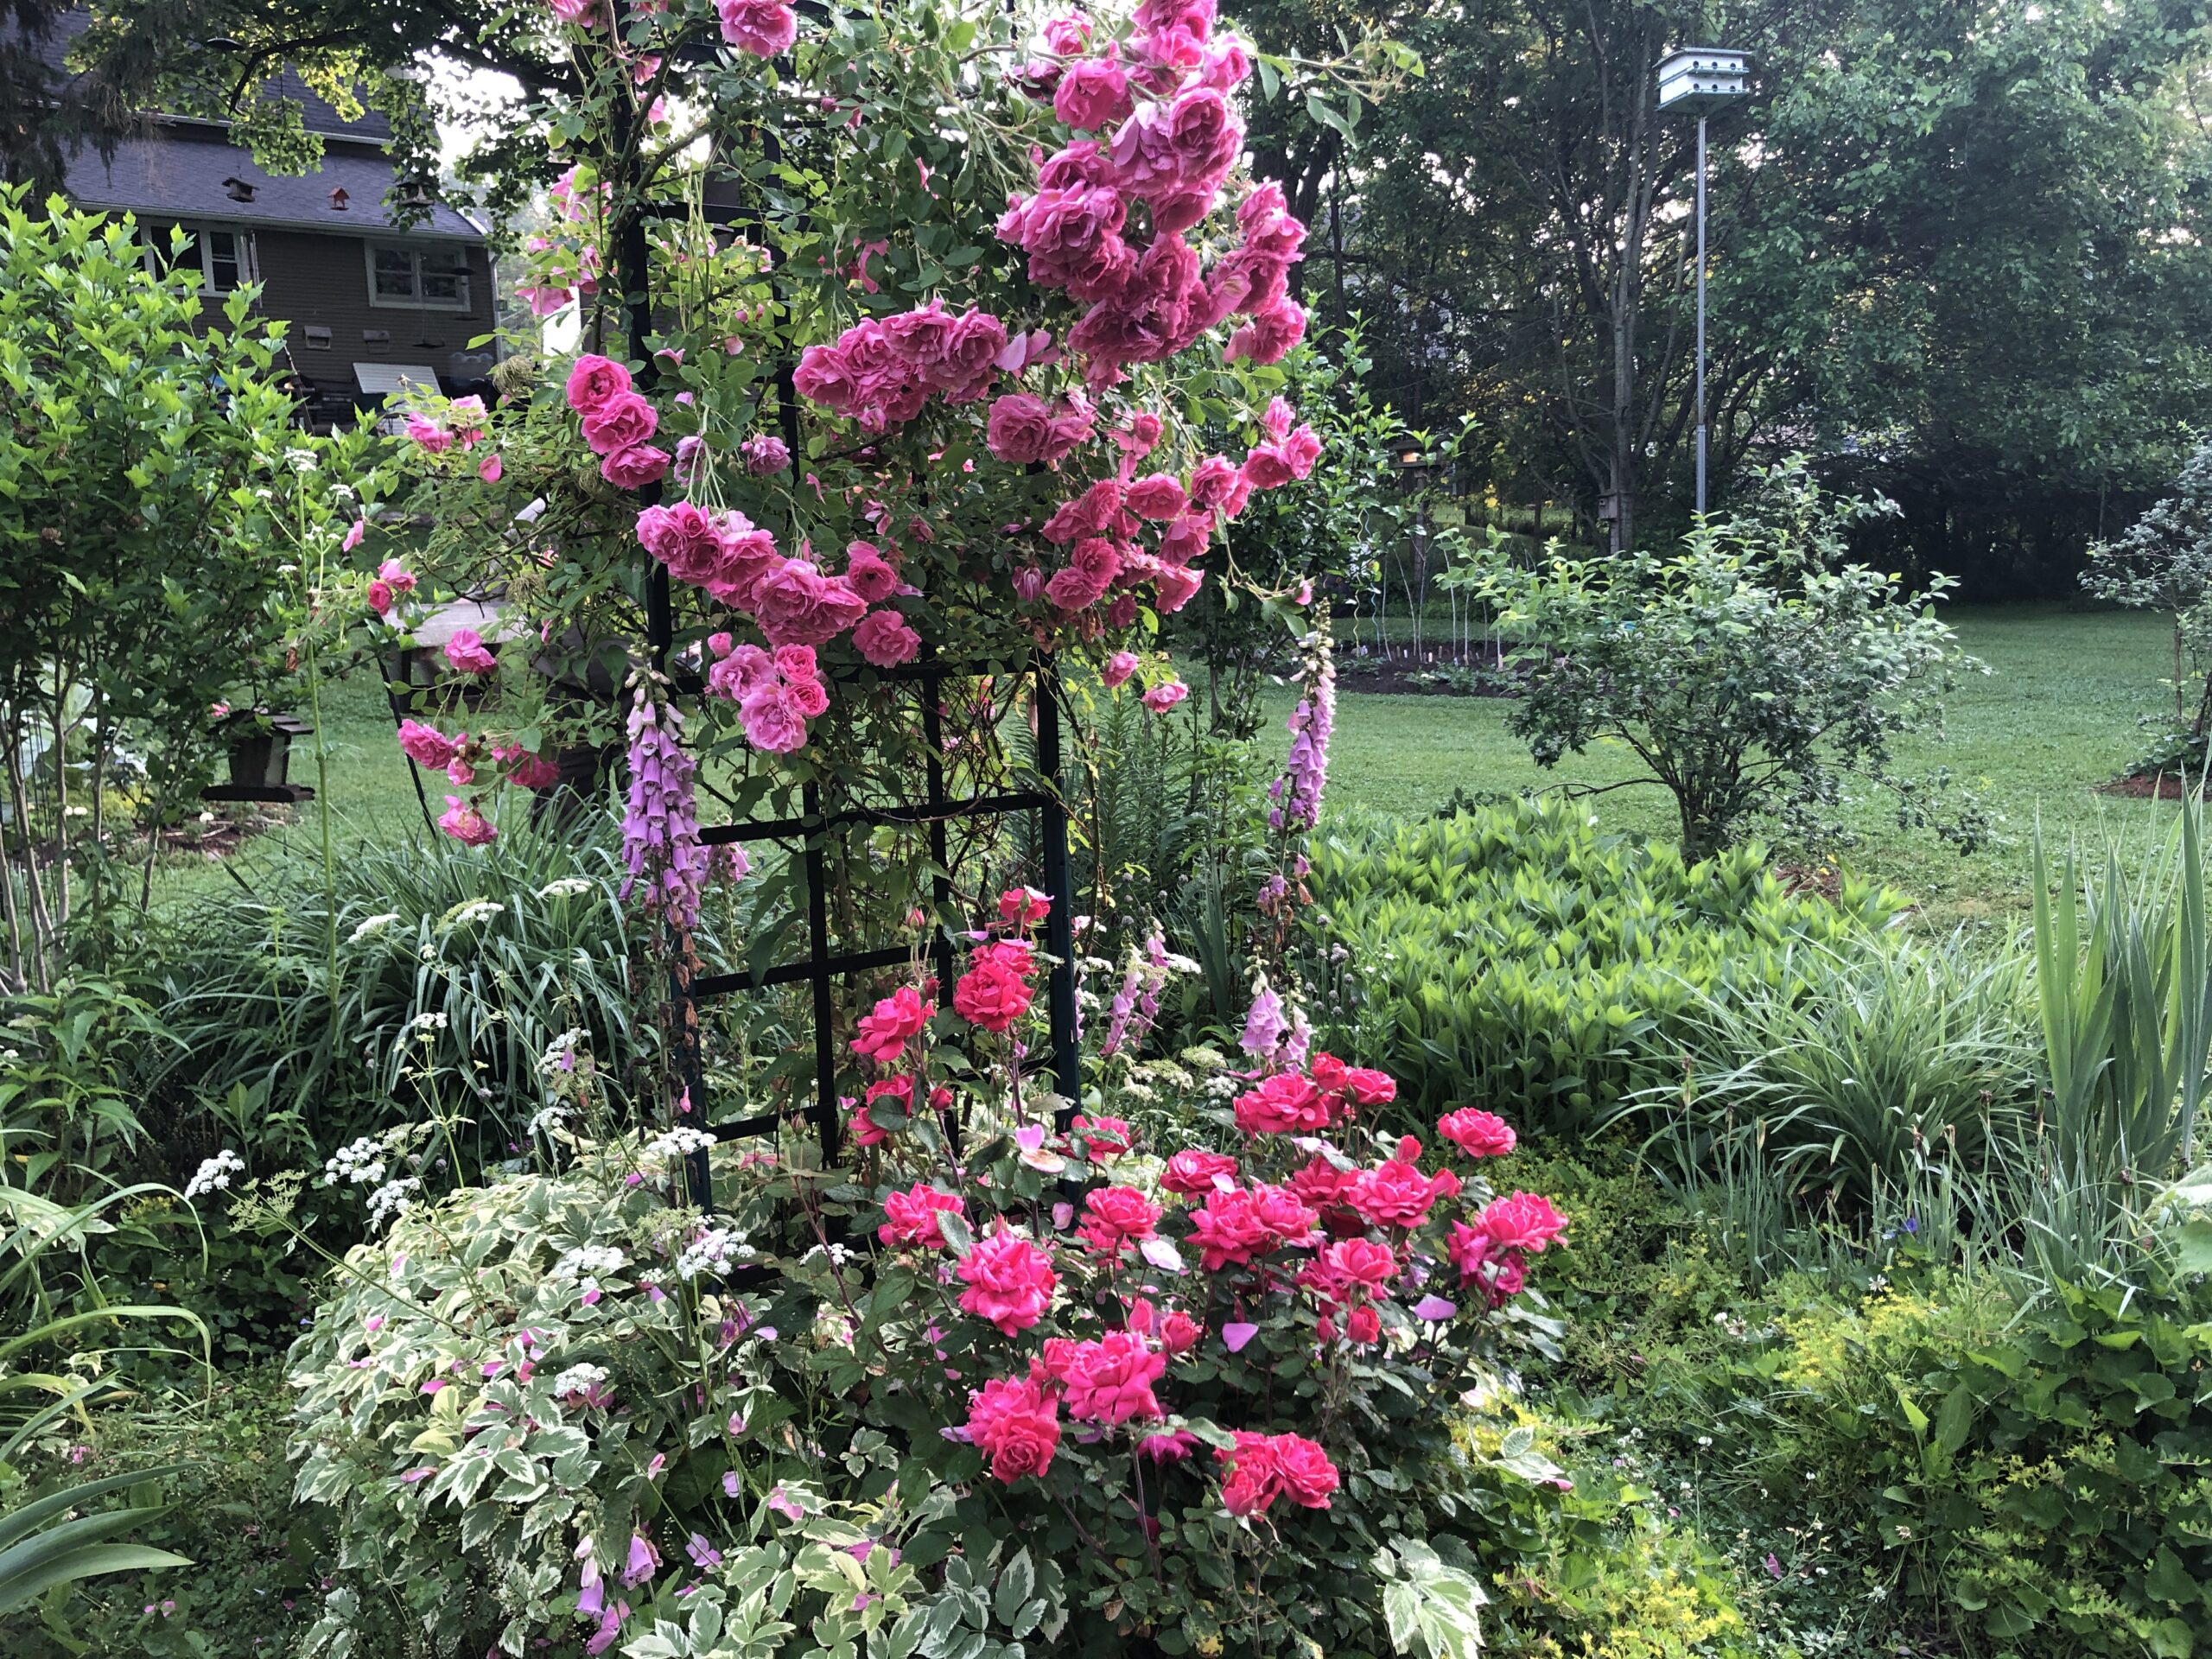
{"points": [[2056, 716]]}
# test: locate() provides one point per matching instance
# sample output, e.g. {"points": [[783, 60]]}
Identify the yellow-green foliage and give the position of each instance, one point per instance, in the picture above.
{"points": [[1517, 958]]}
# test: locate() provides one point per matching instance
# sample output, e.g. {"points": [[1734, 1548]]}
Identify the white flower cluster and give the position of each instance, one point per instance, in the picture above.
{"points": [[548, 1118], [564, 1053], [214, 1173], [1221, 1086], [358, 1165], [588, 1260], [567, 887], [371, 926], [429, 1021], [472, 910], [713, 1251], [677, 1143], [392, 1200], [580, 1379]]}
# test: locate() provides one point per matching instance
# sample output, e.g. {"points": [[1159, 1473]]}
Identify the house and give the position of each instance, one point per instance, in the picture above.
{"points": [[368, 303]]}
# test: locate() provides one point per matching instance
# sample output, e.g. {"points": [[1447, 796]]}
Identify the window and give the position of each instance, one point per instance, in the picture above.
{"points": [[223, 258], [430, 279]]}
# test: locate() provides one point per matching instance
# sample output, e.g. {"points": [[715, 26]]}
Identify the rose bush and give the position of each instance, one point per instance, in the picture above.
{"points": [[1219, 1389]]}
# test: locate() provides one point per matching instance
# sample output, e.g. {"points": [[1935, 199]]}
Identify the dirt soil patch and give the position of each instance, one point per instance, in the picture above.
{"points": [[2149, 787]]}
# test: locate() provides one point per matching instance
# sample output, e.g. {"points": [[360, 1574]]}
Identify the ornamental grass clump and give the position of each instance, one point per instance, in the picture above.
{"points": [[567, 1410]]}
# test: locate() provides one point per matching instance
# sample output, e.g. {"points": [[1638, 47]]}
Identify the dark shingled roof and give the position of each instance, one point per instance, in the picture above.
{"points": [[176, 169]]}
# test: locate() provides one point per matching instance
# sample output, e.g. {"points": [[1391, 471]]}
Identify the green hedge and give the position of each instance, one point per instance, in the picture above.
{"points": [[1517, 958]]}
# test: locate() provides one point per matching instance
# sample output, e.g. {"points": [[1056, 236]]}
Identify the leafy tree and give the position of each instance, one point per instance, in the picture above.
{"points": [[1755, 673], [168, 541], [2164, 563]]}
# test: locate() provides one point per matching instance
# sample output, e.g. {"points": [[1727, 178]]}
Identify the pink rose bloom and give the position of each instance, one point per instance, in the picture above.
{"points": [[1110, 1381], [1193, 1170], [1227, 1230], [1116, 1216], [1015, 1423], [972, 352], [684, 538], [1285, 1103], [1068, 35], [1009, 1281], [634, 468], [1360, 1084], [1359, 1262], [489, 469], [1179, 1333], [1211, 482], [1023, 429], [870, 574], [402, 579], [465, 823], [429, 436], [995, 992], [1249, 1481], [1093, 93], [1267, 468], [919, 337], [1522, 1222], [911, 1218], [1119, 667], [355, 534], [1269, 337], [886, 640], [1175, 586], [824, 377], [1395, 1193], [426, 746], [1074, 589], [763, 28], [1157, 496], [1301, 449], [1187, 538], [1089, 514], [1165, 695], [864, 1130], [772, 719], [764, 454], [623, 419], [1478, 1134], [528, 771], [797, 605], [592, 380], [380, 596], [897, 1019], [1303, 1471], [1225, 65], [586, 14], [466, 651]]}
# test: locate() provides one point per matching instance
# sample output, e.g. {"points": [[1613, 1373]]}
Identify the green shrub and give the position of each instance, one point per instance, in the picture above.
{"points": [[1517, 958]]}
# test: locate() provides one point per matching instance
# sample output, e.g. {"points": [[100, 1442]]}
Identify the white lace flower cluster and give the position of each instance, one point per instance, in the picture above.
{"points": [[579, 1379], [713, 1251], [214, 1174], [370, 926], [567, 887], [679, 1143], [392, 1200], [471, 911], [361, 1164], [589, 1261]]}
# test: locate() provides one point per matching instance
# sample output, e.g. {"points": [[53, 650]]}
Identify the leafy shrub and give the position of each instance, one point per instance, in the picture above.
{"points": [[1753, 673], [844, 1407], [2163, 562], [1517, 958]]}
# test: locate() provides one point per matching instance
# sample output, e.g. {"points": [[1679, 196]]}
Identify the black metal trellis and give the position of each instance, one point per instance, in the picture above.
{"points": [[821, 967]]}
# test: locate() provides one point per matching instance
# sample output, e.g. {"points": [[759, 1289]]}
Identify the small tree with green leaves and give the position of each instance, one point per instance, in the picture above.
{"points": [[1756, 673], [2164, 563]]}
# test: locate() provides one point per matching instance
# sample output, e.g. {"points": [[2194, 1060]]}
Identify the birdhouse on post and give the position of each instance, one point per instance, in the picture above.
{"points": [[1701, 78]]}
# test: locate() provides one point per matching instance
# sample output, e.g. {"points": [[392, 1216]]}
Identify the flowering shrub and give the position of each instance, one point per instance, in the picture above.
{"points": [[1217, 1387]]}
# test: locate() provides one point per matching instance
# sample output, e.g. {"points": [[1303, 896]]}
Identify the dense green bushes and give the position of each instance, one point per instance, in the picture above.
{"points": [[1517, 958]]}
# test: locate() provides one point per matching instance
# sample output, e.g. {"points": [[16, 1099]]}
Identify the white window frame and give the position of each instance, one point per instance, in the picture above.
{"points": [[199, 232], [370, 247]]}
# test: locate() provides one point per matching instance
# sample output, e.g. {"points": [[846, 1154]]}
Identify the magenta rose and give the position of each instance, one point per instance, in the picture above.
{"points": [[622, 420], [1157, 496], [772, 719], [762, 28], [1110, 1381], [870, 574], [635, 467], [1478, 1134], [886, 640], [1093, 93], [1015, 1423], [797, 605], [1009, 1281], [592, 380]]}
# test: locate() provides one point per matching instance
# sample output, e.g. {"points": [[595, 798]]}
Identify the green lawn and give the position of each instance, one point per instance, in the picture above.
{"points": [[2055, 717]]}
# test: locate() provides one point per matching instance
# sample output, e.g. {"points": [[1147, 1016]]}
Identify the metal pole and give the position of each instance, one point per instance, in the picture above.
{"points": [[1700, 316]]}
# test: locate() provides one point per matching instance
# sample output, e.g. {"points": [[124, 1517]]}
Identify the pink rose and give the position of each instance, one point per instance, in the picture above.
{"points": [[764, 454], [1014, 1422], [1009, 1281], [886, 640], [1211, 482], [1194, 1171], [402, 579], [1179, 1334], [1267, 468], [1360, 1084], [796, 604], [1089, 514], [896, 1020], [1119, 667], [466, 651], [1522, 1222], [870, 574], [1093, 93], [1394, 1193], [1249, 1481], [489, 470], [773, 719], [355, 534], [634, 468], [465, 825], [765, 29], [623, 419], [1165, 695], [426, 746], [1303, 1471], [1157, 496], [1269, 337], [919, 337], [1285, 1103], [429, 436], [1116, 1216], [1068, 35], [380, 596], [1478, 1134], [911, 1218], [993, 993], [1110, 1381]]}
